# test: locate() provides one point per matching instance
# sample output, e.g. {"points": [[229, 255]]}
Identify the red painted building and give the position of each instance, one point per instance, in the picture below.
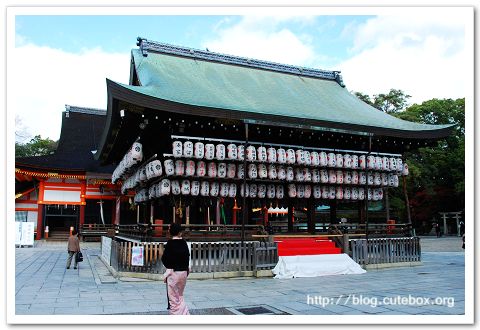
{"points": [[68, 188]]}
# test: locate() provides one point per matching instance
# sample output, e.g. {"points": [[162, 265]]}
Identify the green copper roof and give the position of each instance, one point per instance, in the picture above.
{"points": [[214, 84]]}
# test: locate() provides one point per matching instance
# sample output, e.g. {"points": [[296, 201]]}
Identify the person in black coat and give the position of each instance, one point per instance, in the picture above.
{"points": [[175, 258]]}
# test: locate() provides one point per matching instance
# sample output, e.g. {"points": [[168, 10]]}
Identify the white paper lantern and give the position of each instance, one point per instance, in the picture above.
{"points": [[214, 189], [307, 157], [290, 174], [190, 168], [292, 190], [370, 194], [188, 149], [204, 188], [262, 190], [300, 157], [251, 154], [143, 175], [252, 171], [240, 152], [262, 154], [185, 187], [339, 175], [151, 192], [325, 192], [405, 169], [281, 156], [300, 191], [307, 175], [362, 178], [222, 170], [272, 172], [262, 171], [224, 187], [347, 177], [158, 188], [179, 167], [393, 164], [361, 194], [220, 152], [212, 170], [290, 156], [354, 193], [355, 177], [376, 195], [354, 161], [332, 176], [271, 191], [253, 190], [199, 150], [391, 180], [315, 175], [371, 162], [240, 171], [165, 187], [339, 160], [177, 149], [331, 159], [395, 180], [232, 190], [362, 162], [399, 165], [201, 168], [332, 193], [339, 193], [281, 172], [209, 151], [370, 179], [377, 179], [324, 176], [169, 165], [279, 192], [314, 158], [156, 168], [244, 190], [317, 192], [378, 163], [384, 179], [347, 194], [323, 159], [232, 151], [308, 191], [231, 171], [380, 194], [136, 153], [195, 188], [385, 164], [271, 155], [299, 175], [347, 161], [176, 190]]}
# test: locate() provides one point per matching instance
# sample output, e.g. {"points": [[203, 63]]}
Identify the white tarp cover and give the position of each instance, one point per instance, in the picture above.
{"points": [[316, 265]]}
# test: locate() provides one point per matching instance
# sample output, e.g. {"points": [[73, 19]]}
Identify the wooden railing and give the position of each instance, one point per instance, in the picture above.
{"points": [[205, 257], [385, 250], [96, 230]]}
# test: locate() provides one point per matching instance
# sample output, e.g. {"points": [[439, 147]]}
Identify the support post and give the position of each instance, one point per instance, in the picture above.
{"points": [[445, 231], [217, 212], [333, 211], [407, 203], [82, 216], [244, 204], [366, 188], [187, 215], [290, 216], [39, 221], [311, 217], [387, 204]]}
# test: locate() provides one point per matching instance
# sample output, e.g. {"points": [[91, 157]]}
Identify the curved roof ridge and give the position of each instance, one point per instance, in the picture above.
{"points": [[86, 110]]}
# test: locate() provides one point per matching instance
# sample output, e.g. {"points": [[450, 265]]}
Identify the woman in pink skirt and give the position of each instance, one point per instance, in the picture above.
{"points": [[176, 258]]}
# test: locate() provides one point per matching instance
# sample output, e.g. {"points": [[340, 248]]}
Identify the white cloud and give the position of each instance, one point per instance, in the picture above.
{"points": [[262, 37], [44, 79], [422, 55]]}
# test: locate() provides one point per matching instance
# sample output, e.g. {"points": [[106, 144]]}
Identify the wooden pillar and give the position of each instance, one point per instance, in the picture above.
{"points": [[118, 204], [82, 216], [407, 203], [39, 221], [387, 204], [311, 217], [445, 231], [265, 215], [235, 210], [187, 215], [152, 212], [333, 211], [114, 213], [217, 212], [290, 216]]}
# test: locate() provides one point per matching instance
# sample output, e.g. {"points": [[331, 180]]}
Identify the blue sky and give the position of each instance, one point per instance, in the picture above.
{"points": [[68, 57]]}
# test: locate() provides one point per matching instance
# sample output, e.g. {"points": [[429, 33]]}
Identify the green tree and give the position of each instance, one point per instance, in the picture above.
{"points": [[393, 102], [35, 147]]}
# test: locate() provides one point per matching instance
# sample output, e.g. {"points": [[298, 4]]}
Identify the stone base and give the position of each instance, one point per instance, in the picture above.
{"points": [[391, 265]]}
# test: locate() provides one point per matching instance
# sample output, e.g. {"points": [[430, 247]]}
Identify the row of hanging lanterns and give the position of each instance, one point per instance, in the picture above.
{"points": [[168, 187], [289, 156], [133, 157]]}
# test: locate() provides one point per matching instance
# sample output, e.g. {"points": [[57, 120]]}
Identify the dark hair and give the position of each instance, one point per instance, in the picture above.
{"points": [[175, 229], [74, 232]]}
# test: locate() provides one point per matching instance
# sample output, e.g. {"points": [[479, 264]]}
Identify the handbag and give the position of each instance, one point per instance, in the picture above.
{"points": [[79, 256]]}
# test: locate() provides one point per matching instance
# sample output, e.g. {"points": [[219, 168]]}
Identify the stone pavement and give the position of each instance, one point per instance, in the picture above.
{"points": [[44, 287]]}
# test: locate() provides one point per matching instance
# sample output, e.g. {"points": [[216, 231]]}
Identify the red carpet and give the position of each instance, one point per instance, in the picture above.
{"points": [[306, 246]]}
